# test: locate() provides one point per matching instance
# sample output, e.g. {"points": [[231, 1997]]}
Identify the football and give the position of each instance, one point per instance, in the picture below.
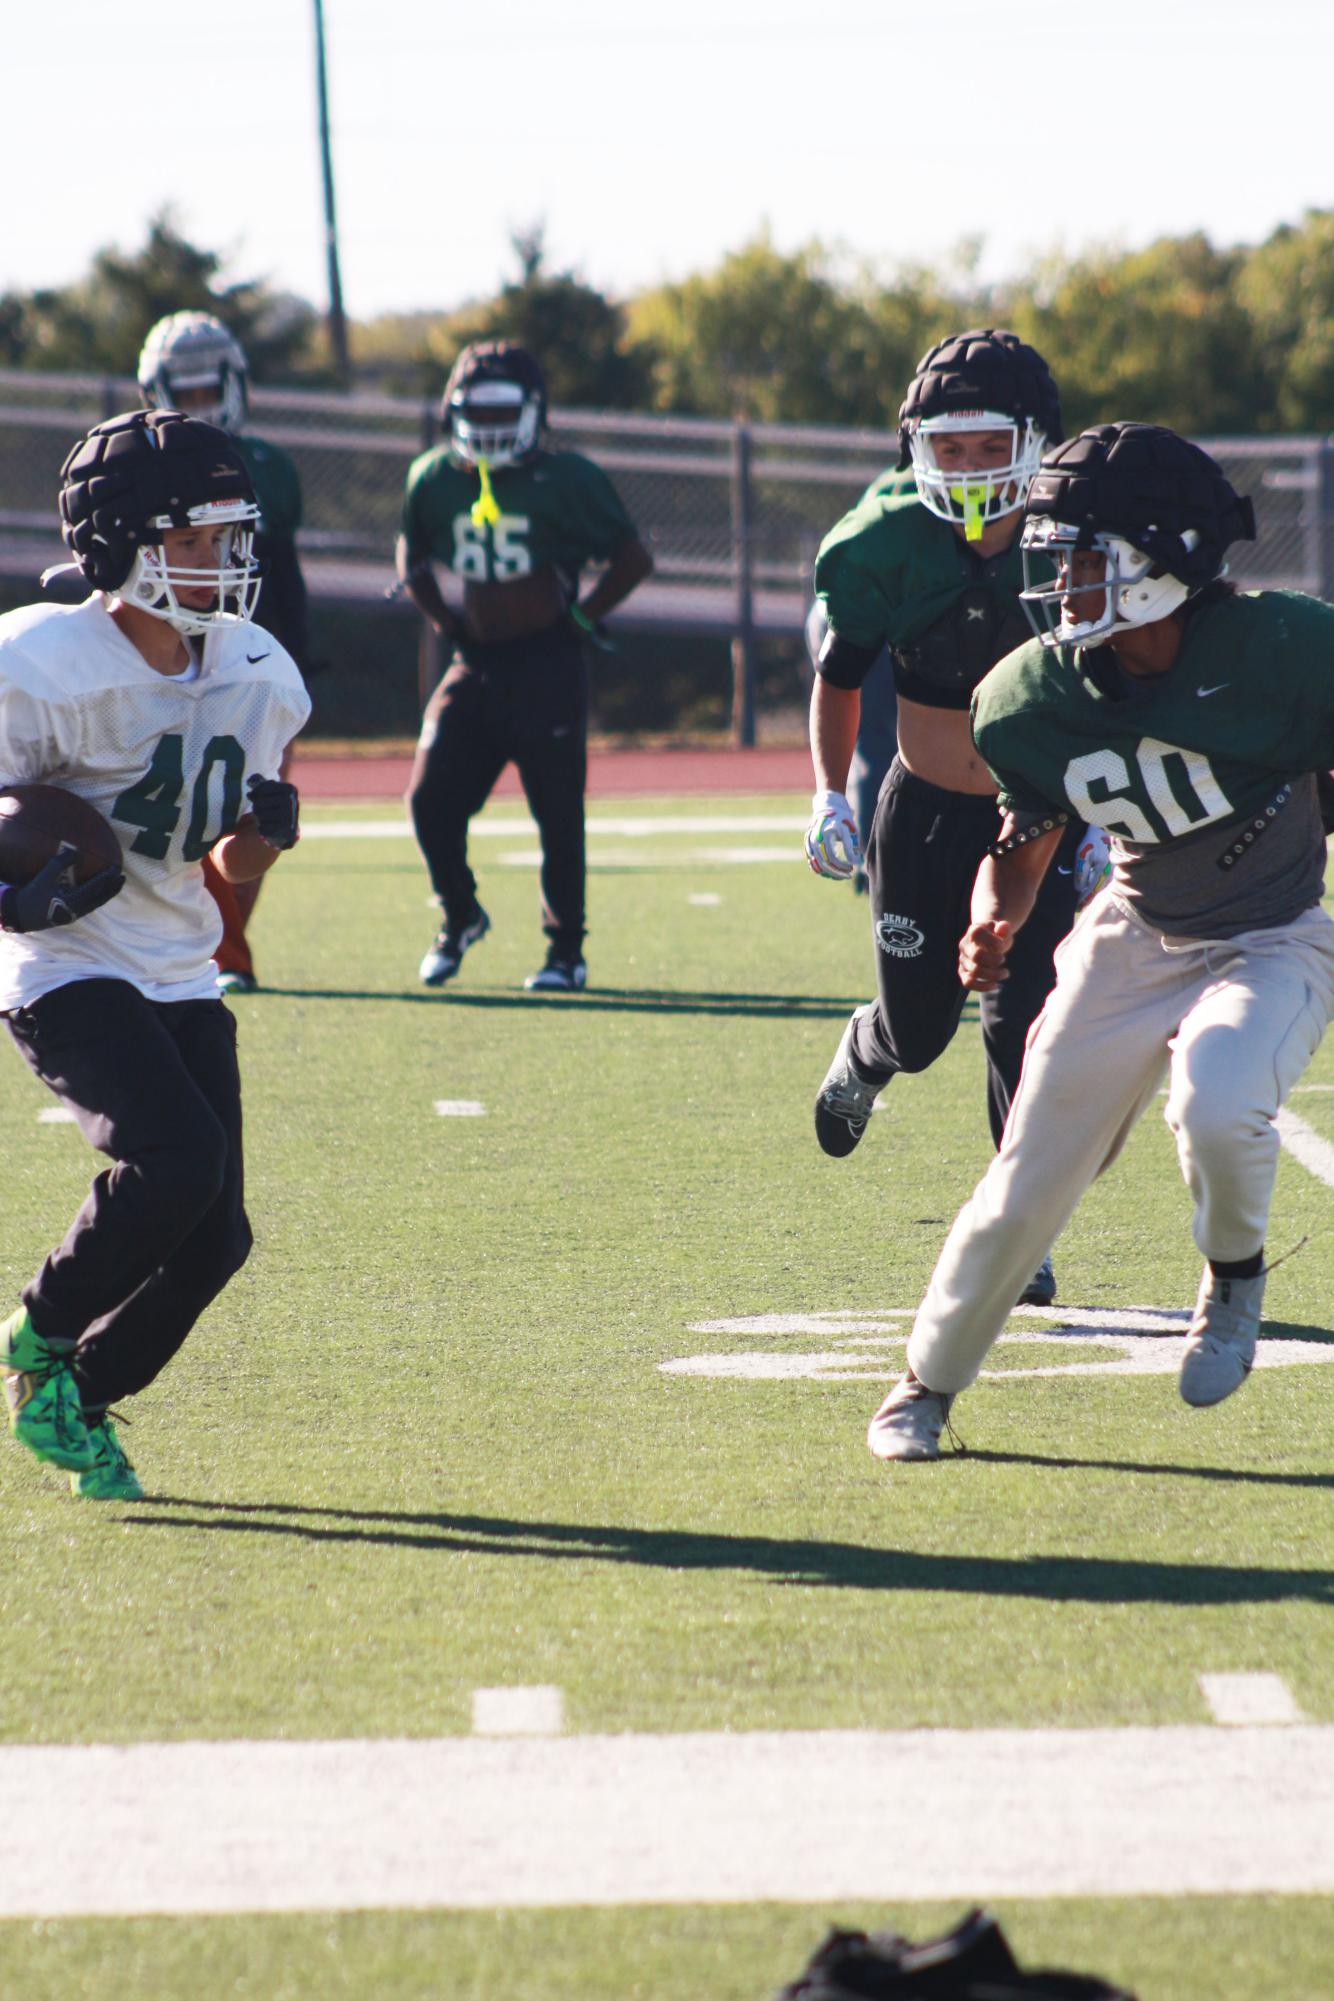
{"points": [[36, 819]]}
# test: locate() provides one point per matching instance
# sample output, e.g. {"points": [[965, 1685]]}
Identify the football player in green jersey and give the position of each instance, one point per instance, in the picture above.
{"points": [[933, 575], [516, 524], [191, 362], [1189, 720]]}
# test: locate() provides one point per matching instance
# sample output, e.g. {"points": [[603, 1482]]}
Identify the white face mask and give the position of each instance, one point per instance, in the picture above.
{"points": [[974, 497], [1131, 591], [155, 580]]}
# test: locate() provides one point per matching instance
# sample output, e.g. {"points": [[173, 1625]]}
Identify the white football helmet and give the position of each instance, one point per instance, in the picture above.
{"points": [[194, 351], [234, 578], [975, 498], [1133, 589]]}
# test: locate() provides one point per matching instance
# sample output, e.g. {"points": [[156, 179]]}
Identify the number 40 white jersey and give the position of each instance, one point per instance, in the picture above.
{"points": [[165, 758]]}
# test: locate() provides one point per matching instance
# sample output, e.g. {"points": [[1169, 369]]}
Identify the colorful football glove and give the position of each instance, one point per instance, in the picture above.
{"points": [[832, 846]]}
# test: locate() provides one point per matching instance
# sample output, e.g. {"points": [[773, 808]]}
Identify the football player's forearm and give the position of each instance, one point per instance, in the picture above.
{"points": [[243, 855], [623, 574], [419, 581], [835, 717], [1007, 885]]}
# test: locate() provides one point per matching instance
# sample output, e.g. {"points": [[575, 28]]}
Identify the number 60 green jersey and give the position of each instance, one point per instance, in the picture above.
{"points": [[1203, 776], [556, 508]]}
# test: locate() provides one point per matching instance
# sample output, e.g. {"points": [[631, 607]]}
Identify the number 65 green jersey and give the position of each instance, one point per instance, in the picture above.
{"points": [[1203, 776], [556, 508]]}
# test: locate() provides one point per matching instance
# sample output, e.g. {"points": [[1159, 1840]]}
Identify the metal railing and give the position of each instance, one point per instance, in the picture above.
{"points": [[733, 512]]}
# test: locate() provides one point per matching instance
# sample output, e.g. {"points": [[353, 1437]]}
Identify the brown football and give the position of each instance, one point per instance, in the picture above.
{"points": [[35, 819]]}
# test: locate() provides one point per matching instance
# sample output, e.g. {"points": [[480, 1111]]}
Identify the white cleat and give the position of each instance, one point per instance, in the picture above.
{"points": [[1220, 1341], [909, 1422]]}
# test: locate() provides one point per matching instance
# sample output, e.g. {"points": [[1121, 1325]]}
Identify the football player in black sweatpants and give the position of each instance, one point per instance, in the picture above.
{"points": [[516, 524], [935, 577]]}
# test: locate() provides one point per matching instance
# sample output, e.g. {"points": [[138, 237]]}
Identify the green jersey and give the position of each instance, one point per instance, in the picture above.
{"points": [[557, 508], [891, 573], [1203, 775], [277, 486]]}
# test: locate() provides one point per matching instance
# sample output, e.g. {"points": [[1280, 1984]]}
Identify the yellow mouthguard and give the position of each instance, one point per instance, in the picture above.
{"points": [[485, 509]]}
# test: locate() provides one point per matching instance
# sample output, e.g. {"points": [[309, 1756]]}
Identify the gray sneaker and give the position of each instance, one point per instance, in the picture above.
{"points": [[1041, 1288], [1220, 1341], [845, 1100], [909, 1422]]}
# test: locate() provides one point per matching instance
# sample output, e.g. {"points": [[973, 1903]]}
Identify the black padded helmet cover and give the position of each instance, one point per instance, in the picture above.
{"points": [[1150, 487], [149, 466], [987, 368]]}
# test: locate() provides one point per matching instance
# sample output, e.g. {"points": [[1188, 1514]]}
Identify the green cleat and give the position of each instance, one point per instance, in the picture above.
{"points": [[111, 1476], [43, 1398]]}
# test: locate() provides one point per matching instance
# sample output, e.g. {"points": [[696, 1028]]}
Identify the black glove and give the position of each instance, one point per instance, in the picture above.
{"points": [[53, 897], [276, 807]]}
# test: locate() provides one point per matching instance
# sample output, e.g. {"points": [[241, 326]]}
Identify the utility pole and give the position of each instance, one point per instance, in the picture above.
{"points": [[337, 322]]}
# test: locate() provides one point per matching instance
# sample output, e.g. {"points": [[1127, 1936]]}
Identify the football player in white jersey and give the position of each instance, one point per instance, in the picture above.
{"points": [[158, 701]]}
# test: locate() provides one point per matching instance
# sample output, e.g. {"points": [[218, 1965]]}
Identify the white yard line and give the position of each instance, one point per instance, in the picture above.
{"points": [[476, 1822], [1249, 1698], [460, 1108], [538, 1711], [1305, 1145], [628, 827]]}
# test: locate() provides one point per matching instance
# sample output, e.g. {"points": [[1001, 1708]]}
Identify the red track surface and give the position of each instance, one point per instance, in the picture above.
{"points": [[611, 773]]}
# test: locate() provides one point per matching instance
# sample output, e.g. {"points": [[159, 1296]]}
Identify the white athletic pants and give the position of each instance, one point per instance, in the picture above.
{"points": [[1233, 1022]]}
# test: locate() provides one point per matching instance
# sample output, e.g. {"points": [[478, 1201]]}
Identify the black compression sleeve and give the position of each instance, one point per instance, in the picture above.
{"points": [[842, 664]]}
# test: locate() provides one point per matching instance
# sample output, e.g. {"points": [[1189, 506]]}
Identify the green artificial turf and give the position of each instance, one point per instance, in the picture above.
{"points": [[424, 1443]]}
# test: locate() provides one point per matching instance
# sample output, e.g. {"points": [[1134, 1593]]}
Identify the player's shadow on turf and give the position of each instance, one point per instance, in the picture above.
{"points": [[602, 1000], [846, 1566]]}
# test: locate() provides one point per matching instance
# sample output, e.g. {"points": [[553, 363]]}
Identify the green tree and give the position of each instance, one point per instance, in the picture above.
{"points": [[576, 333], [98, 323], [1158, 335], [1286, 288], [785, 337]]}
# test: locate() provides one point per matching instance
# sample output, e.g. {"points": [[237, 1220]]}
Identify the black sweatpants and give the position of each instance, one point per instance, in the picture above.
{"points": [[525, 701], [922, 859], [155, 1087]]}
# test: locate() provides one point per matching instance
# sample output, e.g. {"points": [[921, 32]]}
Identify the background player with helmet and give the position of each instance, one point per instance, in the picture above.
{"points": [[516, 524], [934, 576], [159, 702], [1190, 722], [191, 362]]}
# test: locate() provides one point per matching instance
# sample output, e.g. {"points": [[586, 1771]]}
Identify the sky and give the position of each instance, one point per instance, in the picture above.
{"points": [[652, 136]]}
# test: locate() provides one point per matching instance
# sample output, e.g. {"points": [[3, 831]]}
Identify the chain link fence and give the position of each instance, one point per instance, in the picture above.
{"points": [[733, 513]]}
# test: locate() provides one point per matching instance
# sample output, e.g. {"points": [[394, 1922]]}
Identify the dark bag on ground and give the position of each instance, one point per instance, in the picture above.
{"points": [[970, 1963]]}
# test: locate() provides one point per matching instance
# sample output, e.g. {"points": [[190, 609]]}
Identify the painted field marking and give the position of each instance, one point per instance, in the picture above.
{"points": [[798, 1816], [635, 827], [860, 1346], [538, 1711], [652, 858], [1243, 1699], [56, 1115], [704, 899], [1316, 1155], [460, 1108]]}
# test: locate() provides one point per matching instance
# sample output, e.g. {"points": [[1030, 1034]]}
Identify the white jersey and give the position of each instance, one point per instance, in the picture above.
{"points": [[165, 758]]}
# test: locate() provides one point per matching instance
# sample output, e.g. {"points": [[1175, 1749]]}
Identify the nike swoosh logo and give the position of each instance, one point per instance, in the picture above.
{"points": [[254, 658], [1063, 871], [1213, 691]]}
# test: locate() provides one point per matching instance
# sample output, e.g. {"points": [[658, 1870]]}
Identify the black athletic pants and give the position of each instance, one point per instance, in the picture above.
{"points": [[525, 701], [925, 849], [155, 1087]]}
